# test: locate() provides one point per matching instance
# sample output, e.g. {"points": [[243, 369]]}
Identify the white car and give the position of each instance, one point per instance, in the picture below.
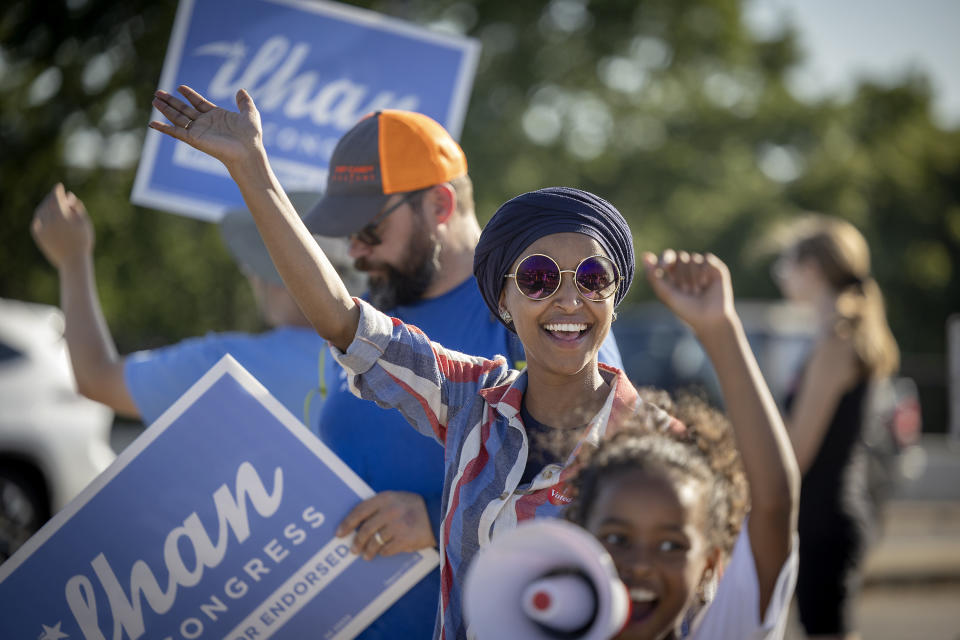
{"points": [[53, 442]]}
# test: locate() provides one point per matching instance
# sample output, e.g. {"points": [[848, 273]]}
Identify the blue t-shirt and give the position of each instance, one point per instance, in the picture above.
{"points": [[383, 449], [285, 360]]}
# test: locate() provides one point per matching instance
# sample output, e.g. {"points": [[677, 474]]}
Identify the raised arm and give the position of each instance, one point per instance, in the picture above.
{"points": [[62, 231], [697, 289], [236, 140]]}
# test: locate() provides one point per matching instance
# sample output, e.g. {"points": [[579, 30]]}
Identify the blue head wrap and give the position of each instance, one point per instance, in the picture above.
{"points": [[523, 220]]}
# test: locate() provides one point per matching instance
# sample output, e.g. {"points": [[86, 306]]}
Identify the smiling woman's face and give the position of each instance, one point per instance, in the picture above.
{"points": [[652, 526], [563, 333]]}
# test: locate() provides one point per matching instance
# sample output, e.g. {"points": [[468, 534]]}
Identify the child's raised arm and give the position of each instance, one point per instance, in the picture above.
{"points": [[697, 289], [236, 139]]}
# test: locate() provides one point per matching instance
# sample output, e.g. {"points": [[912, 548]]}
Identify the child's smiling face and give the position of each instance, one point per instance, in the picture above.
{"points": [[653, 526]]}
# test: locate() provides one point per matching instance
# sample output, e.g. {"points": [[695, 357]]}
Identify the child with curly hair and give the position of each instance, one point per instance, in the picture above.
{"points": [[668, 504]]}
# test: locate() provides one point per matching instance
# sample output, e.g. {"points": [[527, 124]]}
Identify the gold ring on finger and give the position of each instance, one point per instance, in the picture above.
{"points": [[379, 538]]}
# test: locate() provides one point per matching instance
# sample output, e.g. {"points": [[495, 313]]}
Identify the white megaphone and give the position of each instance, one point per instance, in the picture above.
{"points": [[545, 579]]}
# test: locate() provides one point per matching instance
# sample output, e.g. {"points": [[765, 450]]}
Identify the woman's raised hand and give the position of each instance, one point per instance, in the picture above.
{"points": [[696, 287], [235, 138], [228, 136]]}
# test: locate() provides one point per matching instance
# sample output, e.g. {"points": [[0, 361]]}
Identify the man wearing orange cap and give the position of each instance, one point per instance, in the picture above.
{"points": [[398, 187]]}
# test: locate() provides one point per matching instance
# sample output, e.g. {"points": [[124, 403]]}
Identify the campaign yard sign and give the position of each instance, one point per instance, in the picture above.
{"points": [[314, 69], [218, 522]]}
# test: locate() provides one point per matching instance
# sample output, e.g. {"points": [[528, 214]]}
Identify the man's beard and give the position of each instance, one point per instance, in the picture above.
{"points": [[394, 287]]}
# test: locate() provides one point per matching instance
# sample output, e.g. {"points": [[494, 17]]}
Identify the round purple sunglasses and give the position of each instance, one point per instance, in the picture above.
{"points": [[538, 277]]}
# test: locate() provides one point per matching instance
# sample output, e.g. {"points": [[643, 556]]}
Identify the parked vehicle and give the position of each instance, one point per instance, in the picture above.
{"points": [[660, 351], [53, 442]]}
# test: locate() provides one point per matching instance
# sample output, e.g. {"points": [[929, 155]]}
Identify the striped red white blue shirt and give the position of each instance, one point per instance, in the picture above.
{"points": [[471, 405]]}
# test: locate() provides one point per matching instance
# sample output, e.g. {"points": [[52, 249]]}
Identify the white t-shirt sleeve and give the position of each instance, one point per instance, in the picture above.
{"points": [[733, 614]]}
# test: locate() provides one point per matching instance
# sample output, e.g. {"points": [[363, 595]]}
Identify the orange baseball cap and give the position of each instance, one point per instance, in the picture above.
{"points": [[387, 152]]}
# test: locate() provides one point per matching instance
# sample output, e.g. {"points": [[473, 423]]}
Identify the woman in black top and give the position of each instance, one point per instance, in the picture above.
{"points": [[826, 264]]}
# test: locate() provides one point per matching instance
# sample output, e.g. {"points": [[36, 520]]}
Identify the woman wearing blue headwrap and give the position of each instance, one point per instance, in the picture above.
{"points": [[552, 265], [511, 436]]}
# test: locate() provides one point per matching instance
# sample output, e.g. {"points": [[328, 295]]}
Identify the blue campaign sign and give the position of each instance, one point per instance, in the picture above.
{"points": [[313, 68], [218, 522]]}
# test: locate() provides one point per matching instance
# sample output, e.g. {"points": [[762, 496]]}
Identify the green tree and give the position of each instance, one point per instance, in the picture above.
{"points": [[76, 79]]}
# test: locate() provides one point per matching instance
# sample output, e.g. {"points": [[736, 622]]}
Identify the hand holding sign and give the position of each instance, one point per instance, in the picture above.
{"points": [[227, 136], [209, 525], [391, 522]]}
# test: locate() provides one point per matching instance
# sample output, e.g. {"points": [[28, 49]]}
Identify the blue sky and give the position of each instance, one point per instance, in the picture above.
{"points": [[878, 39]]}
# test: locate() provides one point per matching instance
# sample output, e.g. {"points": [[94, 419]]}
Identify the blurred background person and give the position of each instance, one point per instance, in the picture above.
{"points": [[825, 264], [286, 359]]}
